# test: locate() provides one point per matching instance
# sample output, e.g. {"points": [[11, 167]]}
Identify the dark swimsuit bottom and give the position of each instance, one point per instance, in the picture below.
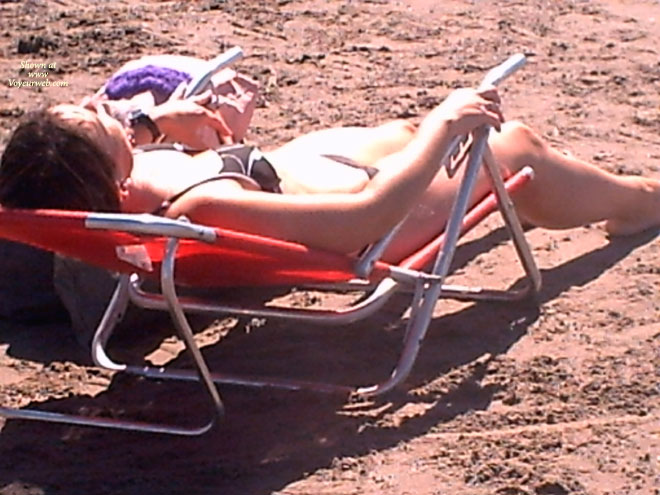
{"points": [[243, 163]]}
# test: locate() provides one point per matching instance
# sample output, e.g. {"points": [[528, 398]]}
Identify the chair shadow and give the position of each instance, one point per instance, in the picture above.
{"points": [[271, 438]]}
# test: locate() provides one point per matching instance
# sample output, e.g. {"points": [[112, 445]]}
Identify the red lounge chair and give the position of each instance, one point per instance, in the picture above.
{"points": [[179, 253]]}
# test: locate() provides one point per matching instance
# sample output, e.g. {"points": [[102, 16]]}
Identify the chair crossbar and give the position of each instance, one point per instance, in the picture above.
{"points": [[147, 224]]}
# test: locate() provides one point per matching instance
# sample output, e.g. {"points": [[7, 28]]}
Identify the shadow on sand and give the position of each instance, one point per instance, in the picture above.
{"points": [[271, 438]]}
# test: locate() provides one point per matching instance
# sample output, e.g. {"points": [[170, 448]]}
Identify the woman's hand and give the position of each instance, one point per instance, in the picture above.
{"points": [[467, 109], [183, 120]]}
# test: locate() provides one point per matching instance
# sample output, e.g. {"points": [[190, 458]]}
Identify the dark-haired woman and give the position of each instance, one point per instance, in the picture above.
{"points": [[336, 189]]}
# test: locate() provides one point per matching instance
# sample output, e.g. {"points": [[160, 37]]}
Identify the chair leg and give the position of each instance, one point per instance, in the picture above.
{"points": [[426, 296], [423, 312], [185, 332], [512, 222], [111, 317], [108, 323], [113, 313], [420, 317]]}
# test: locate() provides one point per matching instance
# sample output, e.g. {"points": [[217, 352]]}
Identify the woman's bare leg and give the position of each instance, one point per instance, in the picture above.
{"points": [[566, 192]]}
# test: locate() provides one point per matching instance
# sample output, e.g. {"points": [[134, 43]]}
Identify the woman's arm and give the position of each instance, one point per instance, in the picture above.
{"points": [[346, 222]]}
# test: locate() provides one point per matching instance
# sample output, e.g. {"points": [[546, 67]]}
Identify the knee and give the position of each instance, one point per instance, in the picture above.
{"points": [[521, 138], [517, 145]]}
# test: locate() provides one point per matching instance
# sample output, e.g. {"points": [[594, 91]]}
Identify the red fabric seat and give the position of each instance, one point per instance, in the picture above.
{"points": [[235, 259]]}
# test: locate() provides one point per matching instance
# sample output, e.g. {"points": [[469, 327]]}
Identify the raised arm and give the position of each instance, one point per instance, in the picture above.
{"points": [[345, 222]]}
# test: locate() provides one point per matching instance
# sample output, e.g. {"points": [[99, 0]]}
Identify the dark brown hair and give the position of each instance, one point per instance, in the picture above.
{"points": [[47, 164]]}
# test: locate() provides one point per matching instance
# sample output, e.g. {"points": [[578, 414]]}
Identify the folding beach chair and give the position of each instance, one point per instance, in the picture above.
{"points": [[178, 254]]}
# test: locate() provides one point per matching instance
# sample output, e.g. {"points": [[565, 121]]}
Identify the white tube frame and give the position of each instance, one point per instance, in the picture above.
{"points": [[428, 287]]}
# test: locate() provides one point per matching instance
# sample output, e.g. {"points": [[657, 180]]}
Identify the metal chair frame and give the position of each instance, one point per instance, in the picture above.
{"points": [[427, 288]]}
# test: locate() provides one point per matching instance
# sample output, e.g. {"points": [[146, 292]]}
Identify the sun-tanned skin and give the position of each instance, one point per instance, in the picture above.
{"points": [[329, 205]]}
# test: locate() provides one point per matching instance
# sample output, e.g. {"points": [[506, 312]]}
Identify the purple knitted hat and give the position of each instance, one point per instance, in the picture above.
{"points": [[161, 81]]}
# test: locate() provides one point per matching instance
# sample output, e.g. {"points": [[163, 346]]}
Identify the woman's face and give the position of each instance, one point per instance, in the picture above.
{"points": [[104, 130]]}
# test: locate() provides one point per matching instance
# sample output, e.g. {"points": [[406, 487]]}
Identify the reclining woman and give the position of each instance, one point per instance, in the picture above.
{"points": [[336, 189]]}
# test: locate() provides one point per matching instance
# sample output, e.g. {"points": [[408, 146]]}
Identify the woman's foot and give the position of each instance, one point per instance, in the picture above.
{"points": [[646, 216]]}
